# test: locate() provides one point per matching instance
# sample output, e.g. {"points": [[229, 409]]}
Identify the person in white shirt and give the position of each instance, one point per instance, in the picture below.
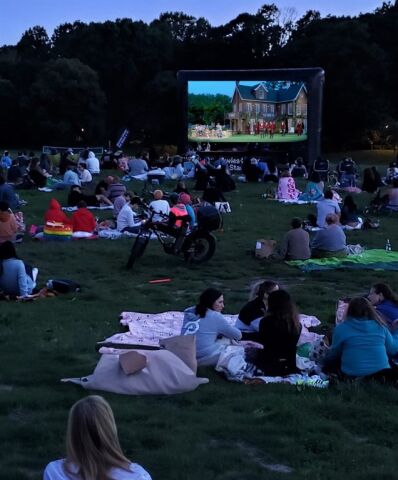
{"points": [[84, 175], [92, 446], [127, 220], [93, 164], [159, 206]]}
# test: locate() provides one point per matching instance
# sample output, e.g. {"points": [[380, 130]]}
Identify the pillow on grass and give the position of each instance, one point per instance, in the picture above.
{"points": [[184, 346], [132, 362], [164, 374]]}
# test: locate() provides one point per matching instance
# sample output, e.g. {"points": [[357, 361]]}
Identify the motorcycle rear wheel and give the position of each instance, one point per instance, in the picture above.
{"points": [[200, 248]]}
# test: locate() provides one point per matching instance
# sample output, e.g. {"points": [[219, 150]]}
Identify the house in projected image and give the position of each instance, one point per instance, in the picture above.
{"points": [[268, 102]]}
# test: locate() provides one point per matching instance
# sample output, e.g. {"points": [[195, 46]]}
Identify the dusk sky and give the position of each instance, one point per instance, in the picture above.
{"points": [[16, 16]]}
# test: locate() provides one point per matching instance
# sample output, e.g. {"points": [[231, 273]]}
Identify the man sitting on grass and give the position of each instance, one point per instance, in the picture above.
{"points": [[296, 243], [326, 206], [330, 241]]}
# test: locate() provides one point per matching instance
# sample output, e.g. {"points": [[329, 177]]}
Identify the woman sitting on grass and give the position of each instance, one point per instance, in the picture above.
{"points": [[385, 302], [14, 279], [349, 213], [250, 315], [287, 187], [206, 322], [279, 333], [314, 189], [362, 344], [93, 450]]}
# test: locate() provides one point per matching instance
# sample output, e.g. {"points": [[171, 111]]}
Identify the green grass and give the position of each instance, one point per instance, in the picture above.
{"points": [[277, 138], [222, 431]]}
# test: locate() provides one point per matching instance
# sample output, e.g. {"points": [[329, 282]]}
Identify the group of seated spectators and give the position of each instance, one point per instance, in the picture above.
{"points": [[364, 345]]}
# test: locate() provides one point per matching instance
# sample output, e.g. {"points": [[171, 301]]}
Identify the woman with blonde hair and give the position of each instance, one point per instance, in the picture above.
{"points": [[363, 344], [93, 450]]}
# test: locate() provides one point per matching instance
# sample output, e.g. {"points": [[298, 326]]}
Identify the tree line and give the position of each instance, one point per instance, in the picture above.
{"points": [[87, 82]]}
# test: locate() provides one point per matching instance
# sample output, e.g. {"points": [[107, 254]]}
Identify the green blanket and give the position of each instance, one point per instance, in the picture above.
{"points": [[369, 259]]}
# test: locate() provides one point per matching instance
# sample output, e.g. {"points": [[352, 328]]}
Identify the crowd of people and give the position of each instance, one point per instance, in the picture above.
{"points": [[365, 345]]}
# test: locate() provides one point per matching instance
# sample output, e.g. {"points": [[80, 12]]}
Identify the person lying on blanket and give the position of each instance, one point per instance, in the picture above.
{"points": [[362, 344], [250, 315], [206, 322], [279, 332], [385, 302]]}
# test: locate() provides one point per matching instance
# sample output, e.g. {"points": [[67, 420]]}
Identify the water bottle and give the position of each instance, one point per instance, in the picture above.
{"points": [[388, 245]]}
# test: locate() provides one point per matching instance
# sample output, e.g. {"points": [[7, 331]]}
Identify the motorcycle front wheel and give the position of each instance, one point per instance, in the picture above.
{"points": [[199, 248]]}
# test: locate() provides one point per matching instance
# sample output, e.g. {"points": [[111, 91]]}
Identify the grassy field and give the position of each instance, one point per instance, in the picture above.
{"points": [[222, 431]]}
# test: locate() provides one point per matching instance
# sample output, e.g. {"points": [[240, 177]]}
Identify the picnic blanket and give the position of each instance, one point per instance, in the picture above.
{"points": [[294, 202], [375, 259], [147, 329], [102, 207]]}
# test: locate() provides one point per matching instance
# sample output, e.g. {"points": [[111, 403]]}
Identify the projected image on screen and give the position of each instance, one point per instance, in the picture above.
{"points": [[247, 111]]}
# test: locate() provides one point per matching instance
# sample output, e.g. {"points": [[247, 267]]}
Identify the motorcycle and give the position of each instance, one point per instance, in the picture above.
{"points": [[196, 245]]}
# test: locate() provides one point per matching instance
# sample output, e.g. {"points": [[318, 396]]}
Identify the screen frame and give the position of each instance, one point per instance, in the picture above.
{"points": [[314, 79]]}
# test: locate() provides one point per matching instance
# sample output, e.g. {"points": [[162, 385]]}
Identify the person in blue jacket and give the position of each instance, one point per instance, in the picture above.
{"points": [[363, 344], [385, 301], [207, 323]]}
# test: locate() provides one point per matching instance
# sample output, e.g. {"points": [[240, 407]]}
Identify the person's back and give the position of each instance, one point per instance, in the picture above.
{"points": [[7, 194], [71, 178], [331, 239], [55, 214], [296, 245], [362, 346], [160, 207], [137, 166], [83, 220], [115, 189], [279, 354], [93, 165], [92, 446], [326, 206]]}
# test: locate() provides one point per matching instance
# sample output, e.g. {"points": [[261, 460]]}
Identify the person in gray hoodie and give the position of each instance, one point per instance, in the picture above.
{"points": [[206, 322]]}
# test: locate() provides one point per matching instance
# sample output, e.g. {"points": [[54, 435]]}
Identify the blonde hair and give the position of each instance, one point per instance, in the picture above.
{"points": [[92, 444]]}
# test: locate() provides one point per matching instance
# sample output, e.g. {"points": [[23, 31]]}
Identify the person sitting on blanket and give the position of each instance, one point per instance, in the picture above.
{"points": [[330, 241], [127, 220], [159, 206], [8, 224], [16, 278], [325, 206], [349, 213], [76, 195], [254, 310], [385, 302], [92, 446], [54, 213], [314, 189], [362, 344], [206, 322], [279, 332], [287, 187], [83, 221], [296, 242]]}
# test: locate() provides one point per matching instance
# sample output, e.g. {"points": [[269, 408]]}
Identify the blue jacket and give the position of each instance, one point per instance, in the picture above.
{"points": [[363, 346], [388, 310]]}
